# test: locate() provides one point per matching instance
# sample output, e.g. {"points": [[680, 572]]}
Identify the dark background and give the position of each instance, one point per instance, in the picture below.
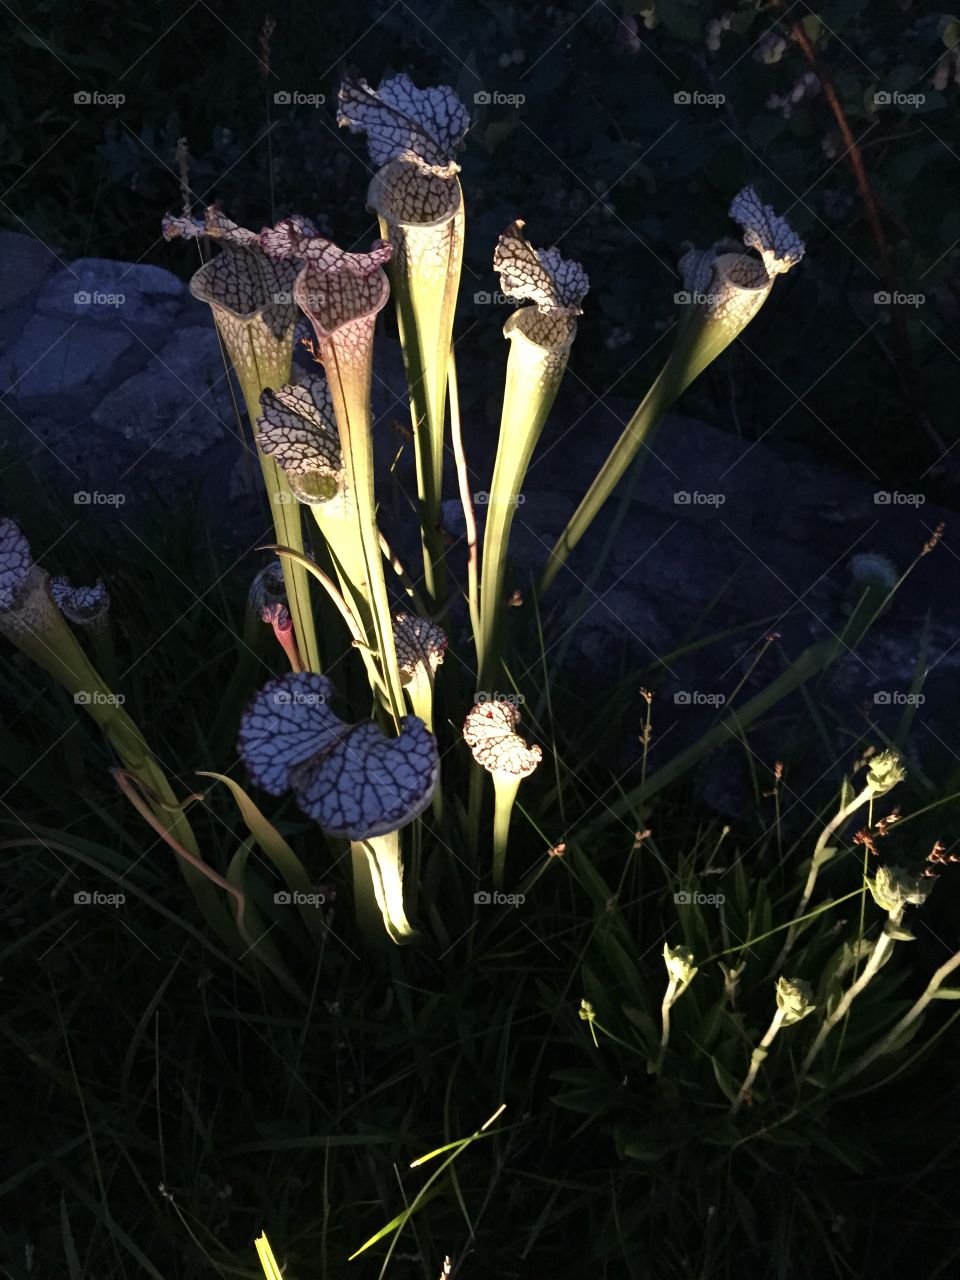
{"points": [[598, 158]]}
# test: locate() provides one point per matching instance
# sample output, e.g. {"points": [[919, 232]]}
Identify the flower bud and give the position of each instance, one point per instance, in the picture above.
{"points": [[893, 889], [886, 770], [794, 1000], [679, 962]]}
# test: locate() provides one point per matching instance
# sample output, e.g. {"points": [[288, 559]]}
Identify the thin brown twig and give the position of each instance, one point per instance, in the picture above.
{"points": [[904, 360]]}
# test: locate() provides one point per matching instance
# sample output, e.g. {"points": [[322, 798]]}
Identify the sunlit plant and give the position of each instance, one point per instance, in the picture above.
{"points": [[373, 780], [413, 135], [490, 732], [370, 740], [34, 614], [724, 288], [250, 296], [540, 337]]}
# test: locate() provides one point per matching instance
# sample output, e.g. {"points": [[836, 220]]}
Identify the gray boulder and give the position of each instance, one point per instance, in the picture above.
{"points": [[179, 404], [60, 367]]}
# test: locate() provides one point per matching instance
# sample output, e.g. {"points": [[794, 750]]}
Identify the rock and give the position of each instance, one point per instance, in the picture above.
{"points": [[179, 405], [58, 366], [125, 296], [45, 443]]}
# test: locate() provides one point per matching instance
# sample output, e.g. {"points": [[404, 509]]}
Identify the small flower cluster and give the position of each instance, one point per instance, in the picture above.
{"points": [[947, 71], [807, 86], [868, 838], [715, 29], [938, 856]]}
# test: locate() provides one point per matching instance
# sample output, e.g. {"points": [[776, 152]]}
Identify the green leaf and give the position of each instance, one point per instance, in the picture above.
{"points": [[903, 1039], [644, 1024], [711, 1024], [898, 934], [259, 944], [822, 1140], [588, 1101], [272, 843], [592, 880], [654, 1141], [946, 993], [724, 1079], [396, 1223], [621, 963], [847, 794], [826, 853], [267, 1259]]}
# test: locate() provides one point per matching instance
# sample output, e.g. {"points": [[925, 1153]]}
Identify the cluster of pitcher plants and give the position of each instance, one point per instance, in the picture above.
{"points": [[379, 787]]}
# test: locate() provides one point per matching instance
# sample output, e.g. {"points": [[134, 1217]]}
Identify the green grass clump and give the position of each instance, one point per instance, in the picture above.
{"points": [[167, 1101]]}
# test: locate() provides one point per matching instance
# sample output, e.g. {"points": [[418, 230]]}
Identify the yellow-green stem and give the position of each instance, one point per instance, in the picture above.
{"points": [[423, 218], [420, 692], [889, 1042], [384, 875], [287, 522], [505, 789], [881, 951], [534, 372], [701, 338], [756, 1061], [55, 648], [816, 862], [349, 383], [341, 531]]}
